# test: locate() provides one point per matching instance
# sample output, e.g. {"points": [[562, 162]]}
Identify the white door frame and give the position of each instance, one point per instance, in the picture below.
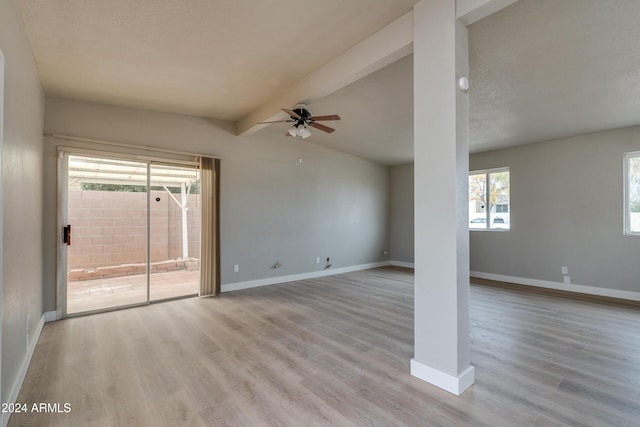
{"points": [[61, 253]]}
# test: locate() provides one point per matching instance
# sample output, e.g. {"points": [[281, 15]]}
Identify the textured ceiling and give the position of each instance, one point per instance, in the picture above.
{"points": [[211, 58], [539, 69], [547, 69]]}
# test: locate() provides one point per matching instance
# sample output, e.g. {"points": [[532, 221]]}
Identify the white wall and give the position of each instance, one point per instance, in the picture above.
{"points": [[566, 210], [401, 212], [22, 184], [332, 205]]}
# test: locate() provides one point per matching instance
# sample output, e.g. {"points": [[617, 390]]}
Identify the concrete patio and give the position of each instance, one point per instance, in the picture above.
{"points": [[97, 294]]}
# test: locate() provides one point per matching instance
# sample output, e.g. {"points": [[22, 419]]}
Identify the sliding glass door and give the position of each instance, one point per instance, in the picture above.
{"points": [[132, 233], [174, 232]]}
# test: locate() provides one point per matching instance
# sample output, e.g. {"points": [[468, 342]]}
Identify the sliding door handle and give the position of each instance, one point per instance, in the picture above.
{"points": [[66, 235]]}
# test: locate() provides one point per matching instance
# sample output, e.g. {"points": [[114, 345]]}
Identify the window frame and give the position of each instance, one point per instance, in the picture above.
{"points": [[626, 212], [487, 173]]}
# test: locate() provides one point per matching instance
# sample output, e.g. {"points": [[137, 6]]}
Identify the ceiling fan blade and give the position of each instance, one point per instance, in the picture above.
{"points": [[321, 127], [276, 121], [321, 118], [292, 113]]}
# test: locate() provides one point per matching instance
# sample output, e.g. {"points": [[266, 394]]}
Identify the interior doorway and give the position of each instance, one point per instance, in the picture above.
{"points": [[132, 232]]}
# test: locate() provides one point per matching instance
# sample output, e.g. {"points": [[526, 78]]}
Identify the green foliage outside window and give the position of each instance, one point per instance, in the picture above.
{"points": [[93, 186]]}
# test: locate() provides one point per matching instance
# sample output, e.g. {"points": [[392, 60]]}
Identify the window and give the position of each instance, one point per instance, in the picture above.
{"points": [[632, 193], [502, 208], [489, 200]]}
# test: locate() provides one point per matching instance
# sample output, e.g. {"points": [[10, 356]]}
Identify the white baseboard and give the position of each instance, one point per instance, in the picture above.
{"points": [[50, 316], [402, 264], [17, 385], [590, 290], [302, 276], [452, 384]]}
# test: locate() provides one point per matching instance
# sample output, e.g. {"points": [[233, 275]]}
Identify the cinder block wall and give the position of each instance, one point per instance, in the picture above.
{"points": [[109, 228]]}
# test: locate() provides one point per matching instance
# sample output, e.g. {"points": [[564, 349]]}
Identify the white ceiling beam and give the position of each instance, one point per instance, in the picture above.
{"points": [[470, 11], [373, 53]]}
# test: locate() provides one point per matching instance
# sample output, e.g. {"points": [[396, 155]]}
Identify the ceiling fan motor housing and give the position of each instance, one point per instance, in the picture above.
{"points": [[302, 111]]}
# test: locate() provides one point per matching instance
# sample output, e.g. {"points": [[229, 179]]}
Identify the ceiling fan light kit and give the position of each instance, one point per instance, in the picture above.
{"points": [[299, 130], [303, 132], [301, 119]]}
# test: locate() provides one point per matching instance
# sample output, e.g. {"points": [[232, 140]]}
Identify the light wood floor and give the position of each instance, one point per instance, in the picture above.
{"points": [[335, 351]]}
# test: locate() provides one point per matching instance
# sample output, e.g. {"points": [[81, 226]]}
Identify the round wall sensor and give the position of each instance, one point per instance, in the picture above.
{"points": [[463, 84]]}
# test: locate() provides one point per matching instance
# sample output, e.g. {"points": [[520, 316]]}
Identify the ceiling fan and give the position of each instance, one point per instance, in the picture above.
{"points": [[301, 118]]}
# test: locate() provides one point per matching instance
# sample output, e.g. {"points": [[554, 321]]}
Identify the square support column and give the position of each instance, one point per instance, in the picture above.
{"points": [[441, 152]]}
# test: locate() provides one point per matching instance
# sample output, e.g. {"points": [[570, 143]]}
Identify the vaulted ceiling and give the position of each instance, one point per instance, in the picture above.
{"points": [[547, 69], [539, 69]]}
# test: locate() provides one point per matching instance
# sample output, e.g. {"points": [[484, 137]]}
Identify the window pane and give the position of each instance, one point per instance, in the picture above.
{"points": [[634, 194], [499, 215], [477, 201]]}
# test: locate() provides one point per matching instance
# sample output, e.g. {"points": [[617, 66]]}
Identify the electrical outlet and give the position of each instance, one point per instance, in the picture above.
{"points": [[318, 260], [565, 270], [567, 280], [236, 268]]}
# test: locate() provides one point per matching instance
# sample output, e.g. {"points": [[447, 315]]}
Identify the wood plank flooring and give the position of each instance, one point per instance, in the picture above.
{"points": [[335, 351]]}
